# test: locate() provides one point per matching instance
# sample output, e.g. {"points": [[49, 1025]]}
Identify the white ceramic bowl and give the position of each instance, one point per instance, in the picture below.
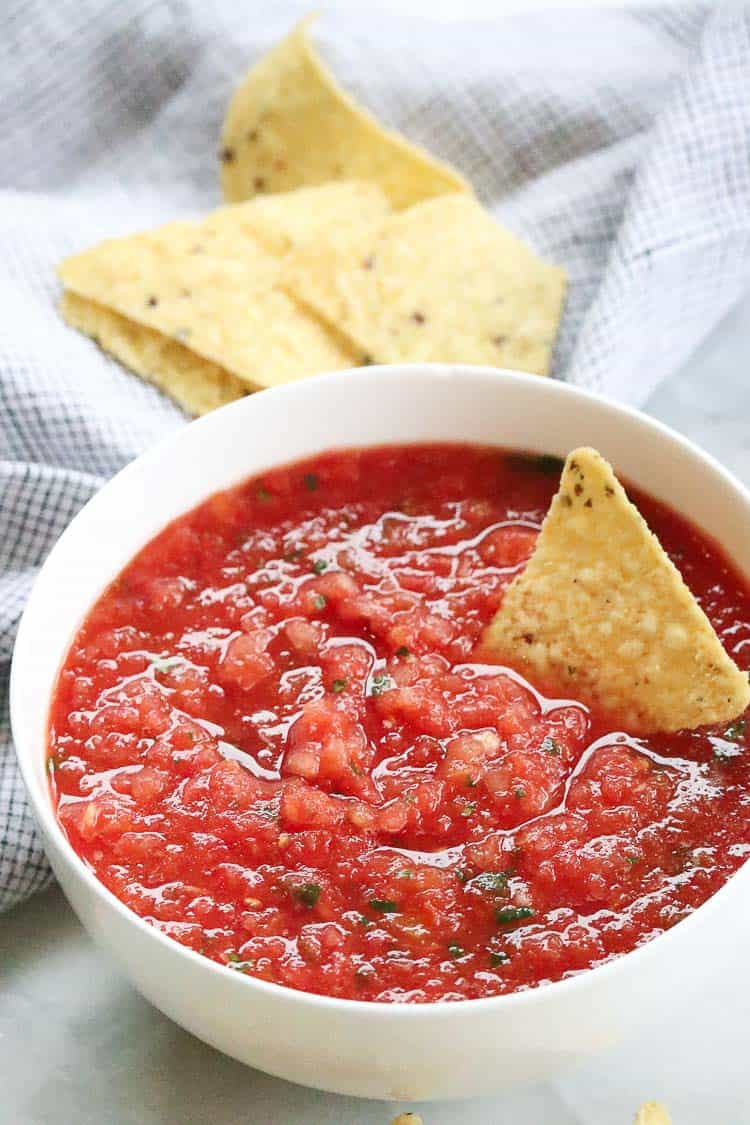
{"points": [[373, 1050]]}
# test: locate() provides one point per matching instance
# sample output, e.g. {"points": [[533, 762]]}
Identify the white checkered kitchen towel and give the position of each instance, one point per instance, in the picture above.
{"points": [[616, 141]]}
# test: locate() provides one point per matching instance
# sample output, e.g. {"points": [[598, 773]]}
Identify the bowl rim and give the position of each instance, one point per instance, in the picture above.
{"points": [[40, 797]]}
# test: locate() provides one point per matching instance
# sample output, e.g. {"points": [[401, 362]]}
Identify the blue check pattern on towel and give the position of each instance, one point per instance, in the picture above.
{"points": [[616, 142]]}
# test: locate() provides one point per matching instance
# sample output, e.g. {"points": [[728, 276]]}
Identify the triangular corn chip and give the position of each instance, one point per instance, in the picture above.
{"points": [[440, 282], [290, 125], [601, 612], [210, 284], [196, 384]]}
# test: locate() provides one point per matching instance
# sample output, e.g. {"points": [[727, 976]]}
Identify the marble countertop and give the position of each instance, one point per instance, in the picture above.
{"points": [[78, 1044]]}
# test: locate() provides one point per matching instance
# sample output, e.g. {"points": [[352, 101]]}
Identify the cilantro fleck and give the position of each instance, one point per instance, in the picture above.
{"points": [[262, 494], [495, 881], [52, 763], [550, 746], [543, 463], [402, 651], [509, 914], [308, 893], [632, 859], [319, 602], [519, 793], [356, 770], [456, 950], [364, 920], [735, 730], [498, 958], [405, 873], [319, 566], [471, 782], [380, 684], [462, 875], [384, 905], [293, 556], [339, 685], [468, 809], [311, 482]]}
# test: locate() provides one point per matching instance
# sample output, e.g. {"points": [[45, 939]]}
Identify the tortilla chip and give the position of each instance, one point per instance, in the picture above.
{"points": [[209, 285], [652, 1113], [601, 612], [441, 282], [296, 219], [195, 384], [289, 124]]}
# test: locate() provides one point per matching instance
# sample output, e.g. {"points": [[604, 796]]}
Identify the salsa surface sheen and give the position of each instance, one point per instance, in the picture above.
{"points": [[403, 821]]}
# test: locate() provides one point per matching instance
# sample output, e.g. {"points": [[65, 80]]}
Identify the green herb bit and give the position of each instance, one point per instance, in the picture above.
{"points": [[468, 809], [494, 881], [339, 685], [308, 893], [506, 915], [405, 873], [262, 495], [402, 651], [52, 763], [498, 958], [293, 556], [550, 746], [311, 482], [632, 859], [319, 566], [544, 463], [356, 769], [471, 782], [319, 602], [384, 905], [456, 950], [735, 730], [462, 875], [380, 684], [238, 964], [364, 920]]}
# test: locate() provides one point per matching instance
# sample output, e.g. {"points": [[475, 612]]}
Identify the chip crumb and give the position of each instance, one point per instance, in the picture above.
{"points": [[407, 1119], [652, 1113], [601, 610]]}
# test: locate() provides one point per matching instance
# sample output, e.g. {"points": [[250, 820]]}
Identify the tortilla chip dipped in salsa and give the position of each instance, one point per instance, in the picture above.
{"points": [[601, 611], [442, 282], [211, 286], [291, 125]]}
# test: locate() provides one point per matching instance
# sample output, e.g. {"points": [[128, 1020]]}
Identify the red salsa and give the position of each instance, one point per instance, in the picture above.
{"points": [[276, 739]]}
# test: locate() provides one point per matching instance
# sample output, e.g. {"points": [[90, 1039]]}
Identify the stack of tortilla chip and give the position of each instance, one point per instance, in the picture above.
{"points": [[342, 244]]}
